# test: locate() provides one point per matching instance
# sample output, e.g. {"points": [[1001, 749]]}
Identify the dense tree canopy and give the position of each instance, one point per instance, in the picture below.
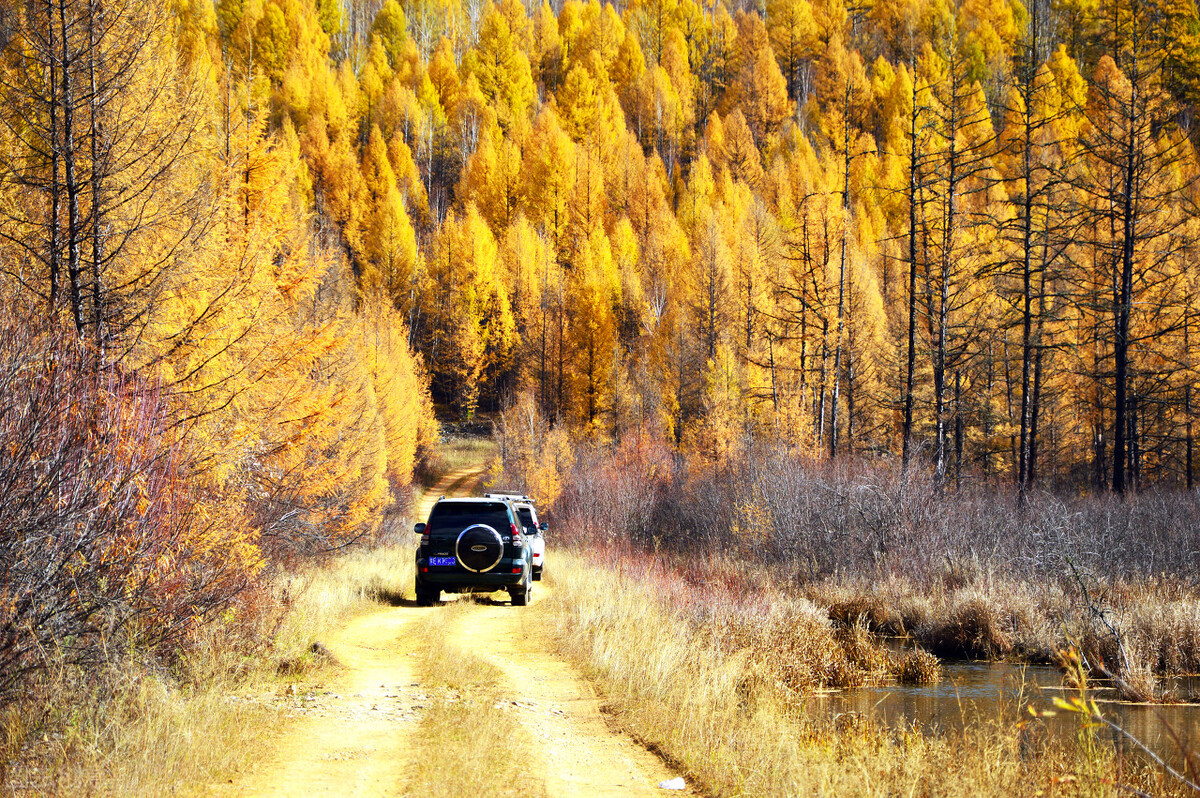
{"points": [[954, 233]]}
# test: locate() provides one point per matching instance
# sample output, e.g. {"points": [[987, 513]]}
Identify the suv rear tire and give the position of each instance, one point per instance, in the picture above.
{"points": [[427, 598], [520, 595]]}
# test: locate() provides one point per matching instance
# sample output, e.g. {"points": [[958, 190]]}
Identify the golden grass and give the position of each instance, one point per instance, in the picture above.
{"points": [[132, 728], [736, 730], [467, 741], [143, 735], [318, 599]]}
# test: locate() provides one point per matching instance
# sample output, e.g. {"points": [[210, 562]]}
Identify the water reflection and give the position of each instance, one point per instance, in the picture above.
{"points": [[971, 692]]}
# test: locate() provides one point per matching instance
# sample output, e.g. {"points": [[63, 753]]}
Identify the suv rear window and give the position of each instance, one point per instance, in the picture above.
{"points": [[454, 516], [526, 516]]}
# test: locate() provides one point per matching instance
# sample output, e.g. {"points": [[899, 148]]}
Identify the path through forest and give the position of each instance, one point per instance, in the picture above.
{"points": [[353, 733]]}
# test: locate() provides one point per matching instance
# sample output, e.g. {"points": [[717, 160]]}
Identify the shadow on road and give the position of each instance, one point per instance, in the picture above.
{"points": [[394, 599]]}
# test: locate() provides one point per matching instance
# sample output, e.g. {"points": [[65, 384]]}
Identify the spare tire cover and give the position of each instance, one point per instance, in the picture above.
{"points": [[479, 548]]}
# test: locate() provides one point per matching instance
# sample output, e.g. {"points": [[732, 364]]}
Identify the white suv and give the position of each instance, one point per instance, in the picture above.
{"points": [[527, 514]]}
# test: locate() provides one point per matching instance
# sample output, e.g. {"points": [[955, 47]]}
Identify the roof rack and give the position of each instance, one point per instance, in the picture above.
{"points": [[512, 497]]}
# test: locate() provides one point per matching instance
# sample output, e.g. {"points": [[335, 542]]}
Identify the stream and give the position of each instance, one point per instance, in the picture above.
{"points": [[972, 692]]}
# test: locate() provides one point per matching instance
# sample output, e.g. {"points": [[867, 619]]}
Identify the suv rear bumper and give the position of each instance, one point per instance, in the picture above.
{"points": [[453, 578]]}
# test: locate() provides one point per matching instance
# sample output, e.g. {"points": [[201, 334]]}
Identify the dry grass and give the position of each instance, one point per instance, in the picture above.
{"points": [[671, 677], [137, 728], [466, 741], [128, 729], [971, 573], [317, 600]]}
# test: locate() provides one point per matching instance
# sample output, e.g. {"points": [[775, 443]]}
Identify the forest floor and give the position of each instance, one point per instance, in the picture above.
{"points": [[354, 727]]}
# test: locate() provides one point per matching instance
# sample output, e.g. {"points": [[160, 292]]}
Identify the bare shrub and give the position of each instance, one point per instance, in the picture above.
{"points": [[972, 572], [870, 611], [609, 501], [101, 547]]}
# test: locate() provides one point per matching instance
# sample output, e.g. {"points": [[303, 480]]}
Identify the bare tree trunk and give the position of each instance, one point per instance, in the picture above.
{"points": [[1189, 478], [958, 430], [824, 382], [591, 375], [1026, 310], [559, 390], [680, 365], [74, 218], [774, 385], [95, 133], [1188, 474], [1122, 300], [850, 400], [911, 363], [55, 188], [1035, 403], [803, 357], [807, 259], [1031, 57], [542, 369], [842, 266], [988, 423], [837, 354], [1034, 415], [943, 304], [616, 394], [1099, 445]]}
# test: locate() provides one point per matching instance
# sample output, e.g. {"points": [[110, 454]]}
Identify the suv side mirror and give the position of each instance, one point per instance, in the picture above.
{"points": [[542, 527], [419, 529]]}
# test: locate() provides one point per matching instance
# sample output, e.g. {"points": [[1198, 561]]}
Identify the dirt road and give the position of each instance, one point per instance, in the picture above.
{"points": [[577, 753], [352, 735]]}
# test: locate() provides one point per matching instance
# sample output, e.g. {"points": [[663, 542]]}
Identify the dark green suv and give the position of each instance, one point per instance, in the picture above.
{"points": [[473, 546]]}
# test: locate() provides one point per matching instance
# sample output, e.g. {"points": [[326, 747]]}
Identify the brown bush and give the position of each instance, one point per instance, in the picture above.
{"points": [[793, 648], [917, 666], [869, 611], [864, 652], [973, 630]]}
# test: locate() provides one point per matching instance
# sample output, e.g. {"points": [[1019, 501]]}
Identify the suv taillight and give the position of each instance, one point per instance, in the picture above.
{"points": [[516, 537]]}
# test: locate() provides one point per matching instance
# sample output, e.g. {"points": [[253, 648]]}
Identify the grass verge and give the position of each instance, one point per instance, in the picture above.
{"points": [[133, 727], [127, 728], [732, 726], [317, 600], [466, 741]]}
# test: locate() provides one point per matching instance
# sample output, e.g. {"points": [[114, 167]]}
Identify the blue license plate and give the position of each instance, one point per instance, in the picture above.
{"points": [[441, 561]]}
